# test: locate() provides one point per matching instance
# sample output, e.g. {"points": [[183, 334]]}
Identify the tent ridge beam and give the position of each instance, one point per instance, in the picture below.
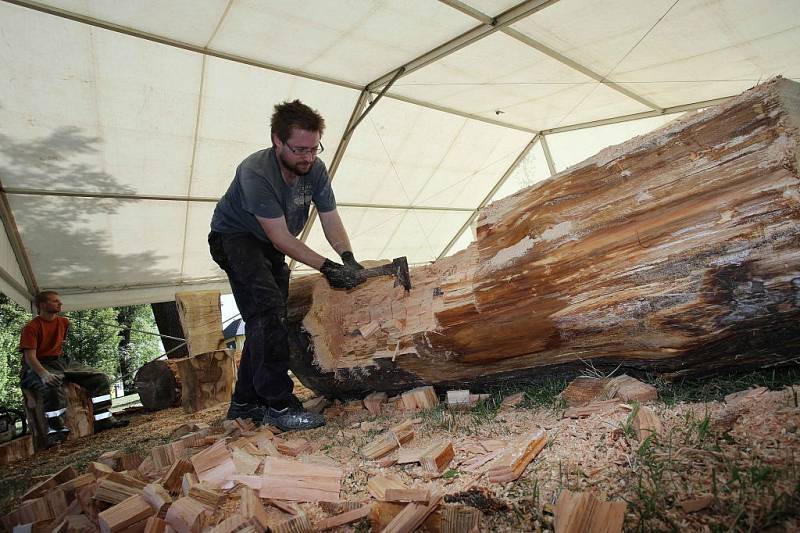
{"points": [[637, 116], [488, 198], [521, 37], [17, 286], [486, 28], [62, 13]]}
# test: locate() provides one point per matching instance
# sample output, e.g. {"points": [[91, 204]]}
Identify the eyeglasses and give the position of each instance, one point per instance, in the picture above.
{"points": [[306, 151]]}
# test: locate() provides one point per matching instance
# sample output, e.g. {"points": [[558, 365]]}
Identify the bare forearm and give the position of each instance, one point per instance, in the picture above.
{"points": [[33, 361], [335, 233], [298, 251]]}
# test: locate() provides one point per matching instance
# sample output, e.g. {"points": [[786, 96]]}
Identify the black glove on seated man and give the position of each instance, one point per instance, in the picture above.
{"points": [[340, 276], [350, 261]]}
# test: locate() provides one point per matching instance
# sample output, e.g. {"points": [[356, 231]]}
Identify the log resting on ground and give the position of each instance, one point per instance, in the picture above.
{"points": [[676, 252]]}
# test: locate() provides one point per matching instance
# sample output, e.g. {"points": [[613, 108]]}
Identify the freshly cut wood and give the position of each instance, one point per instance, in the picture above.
{"points": [[174, 477], [214, 465], [293, 447], [285, 479], [583, 512], [155, 524], [127, 513], [591, 409], [584, 390], [236, 523], [77, 524], [251, 508], [189, 480], [117, 487], [187, 515], [389, 489], [512, 401], [510, 464], [374, 402], [698, 503], [244, 462], [157, 386], [344, 518], [388, 441], [31, 511], [16, 450], [207, 374], [62, 476], [316, 405], [158, 497], [413, 514], [420, 398], [630, 389], [206, 494], [646, 424], [296, 524], [436, 458], [458, 398], [459, 519], [675, 252]]}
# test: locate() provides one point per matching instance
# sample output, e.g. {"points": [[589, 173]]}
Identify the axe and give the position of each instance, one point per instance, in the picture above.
{"points": [[397, 268]]}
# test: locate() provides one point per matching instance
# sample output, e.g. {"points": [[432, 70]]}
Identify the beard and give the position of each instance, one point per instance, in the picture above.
{"points": [[299, 169]]}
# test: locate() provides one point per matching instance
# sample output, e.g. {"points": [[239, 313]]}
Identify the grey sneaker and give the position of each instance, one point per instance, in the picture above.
{"points": [[292, 418], [253, 411]]}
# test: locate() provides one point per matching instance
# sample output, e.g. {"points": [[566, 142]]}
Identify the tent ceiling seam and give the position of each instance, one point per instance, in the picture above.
{"points": [[485, 29], [207, 199], [197, 118], [486, 199], [529, 41], [219, 24]]}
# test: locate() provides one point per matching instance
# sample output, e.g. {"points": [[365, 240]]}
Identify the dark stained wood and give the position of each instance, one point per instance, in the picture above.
{"points": [[169, 323], [676, 252], [157, 386]]}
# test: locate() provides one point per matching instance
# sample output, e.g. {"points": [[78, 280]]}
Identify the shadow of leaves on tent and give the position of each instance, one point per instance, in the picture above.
{"points": [[57, 232]]}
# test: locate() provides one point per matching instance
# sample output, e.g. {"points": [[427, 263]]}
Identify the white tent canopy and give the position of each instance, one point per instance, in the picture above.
{"points": [[121, 122]]}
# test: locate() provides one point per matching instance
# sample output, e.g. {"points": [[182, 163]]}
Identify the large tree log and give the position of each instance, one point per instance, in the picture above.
{"points": [[675, 252]]}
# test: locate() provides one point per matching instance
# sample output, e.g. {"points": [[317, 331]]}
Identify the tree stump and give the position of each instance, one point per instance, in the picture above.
{"points": [[157, 386], [207, 374], [79, 417]]}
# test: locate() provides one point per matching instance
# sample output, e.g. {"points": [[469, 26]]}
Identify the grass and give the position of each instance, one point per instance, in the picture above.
{"points": [[717, 387]]}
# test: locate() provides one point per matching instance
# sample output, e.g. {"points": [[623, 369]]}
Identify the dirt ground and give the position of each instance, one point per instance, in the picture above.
{"points": [[745, 472]]}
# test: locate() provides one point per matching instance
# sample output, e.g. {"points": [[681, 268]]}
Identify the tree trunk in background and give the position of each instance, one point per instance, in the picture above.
{"points": [[677, 252], [125, 320], [169, 323]]}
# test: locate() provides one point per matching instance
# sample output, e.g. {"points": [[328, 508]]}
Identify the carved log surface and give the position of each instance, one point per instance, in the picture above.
{"points": [[677, 251]]}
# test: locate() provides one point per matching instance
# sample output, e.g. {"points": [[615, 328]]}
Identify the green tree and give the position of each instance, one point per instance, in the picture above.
{"points": [[12, 318], [135, 346]]}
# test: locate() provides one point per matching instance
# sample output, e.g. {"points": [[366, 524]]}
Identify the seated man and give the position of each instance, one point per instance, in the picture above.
{"points": [[43, 370]]}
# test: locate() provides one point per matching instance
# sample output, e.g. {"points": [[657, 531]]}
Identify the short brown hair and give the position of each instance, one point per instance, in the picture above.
{"points": [[43, 296], [295, 114]]}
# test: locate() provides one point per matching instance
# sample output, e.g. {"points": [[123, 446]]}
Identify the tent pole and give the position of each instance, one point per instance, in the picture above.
{"points": [[488, 198]]}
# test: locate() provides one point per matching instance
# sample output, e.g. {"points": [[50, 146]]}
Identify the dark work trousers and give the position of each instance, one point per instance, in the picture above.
{"points": [[54, 398], [259, 278]]}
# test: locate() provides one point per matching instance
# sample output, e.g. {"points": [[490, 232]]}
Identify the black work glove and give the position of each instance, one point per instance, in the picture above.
{"points": [[339, 276], [350, 261]]}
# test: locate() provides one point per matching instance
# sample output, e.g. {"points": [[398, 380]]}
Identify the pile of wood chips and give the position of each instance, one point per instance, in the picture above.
{"points": [[236, 476]]}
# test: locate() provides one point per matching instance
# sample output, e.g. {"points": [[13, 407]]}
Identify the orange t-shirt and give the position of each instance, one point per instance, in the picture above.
{"points": [[47, 338]]}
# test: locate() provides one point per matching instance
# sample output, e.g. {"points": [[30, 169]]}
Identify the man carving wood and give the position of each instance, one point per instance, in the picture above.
{"points": [[254, 226], [44, 370]]}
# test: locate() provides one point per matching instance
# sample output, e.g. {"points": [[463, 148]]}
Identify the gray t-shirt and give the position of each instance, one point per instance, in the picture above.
{"points": [[258, 189]]}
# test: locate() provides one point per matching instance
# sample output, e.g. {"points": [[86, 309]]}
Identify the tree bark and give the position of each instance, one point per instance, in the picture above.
{"points": [[677, 252]]}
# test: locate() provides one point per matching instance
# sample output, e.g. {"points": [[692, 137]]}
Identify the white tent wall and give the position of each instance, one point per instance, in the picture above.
{"points": [[137, 114]]}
